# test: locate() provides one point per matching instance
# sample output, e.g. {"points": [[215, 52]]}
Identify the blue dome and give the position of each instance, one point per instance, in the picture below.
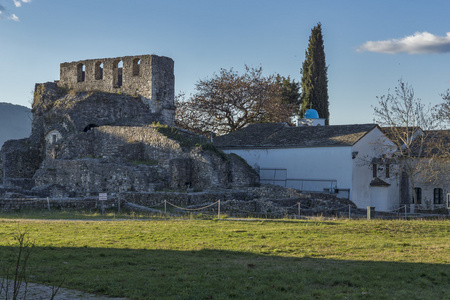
{"points": [[311, 114]]}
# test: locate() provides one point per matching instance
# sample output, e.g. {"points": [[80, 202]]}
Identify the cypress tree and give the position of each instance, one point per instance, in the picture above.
{"points": [[314, 77]]}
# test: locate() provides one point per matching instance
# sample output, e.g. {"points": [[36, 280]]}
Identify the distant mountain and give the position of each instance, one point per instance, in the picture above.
{"points": [[15, 122]]}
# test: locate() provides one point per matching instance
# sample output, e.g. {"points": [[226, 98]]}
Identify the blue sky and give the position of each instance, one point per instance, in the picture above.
{"points": [[369, 45]]}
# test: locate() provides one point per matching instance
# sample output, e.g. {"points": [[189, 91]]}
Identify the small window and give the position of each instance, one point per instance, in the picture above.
{"points": [[374, 170], [117, 73], [81, 72], [387, 171], [54, 138], [98, 70], [418, 193], [438, 196], [136, 66]]}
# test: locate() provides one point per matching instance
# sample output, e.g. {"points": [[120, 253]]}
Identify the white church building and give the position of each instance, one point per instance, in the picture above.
{"points": [[347, 160]]}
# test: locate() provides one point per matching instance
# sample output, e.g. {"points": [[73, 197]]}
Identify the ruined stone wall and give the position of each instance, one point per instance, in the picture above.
{"points": [[20, 159], [92, 132], [85, 177], [124, 158], [150, 77], [1, 168], [18, 204], [109, 158], [73, 112], [241, 174], [116, 142]]}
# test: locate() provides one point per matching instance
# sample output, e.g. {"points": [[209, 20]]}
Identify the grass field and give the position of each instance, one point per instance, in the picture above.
{"points": [[259, 259]]}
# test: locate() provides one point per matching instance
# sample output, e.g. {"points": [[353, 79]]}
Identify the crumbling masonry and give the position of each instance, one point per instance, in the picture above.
{"points": [[149, 77], [107, 126]]}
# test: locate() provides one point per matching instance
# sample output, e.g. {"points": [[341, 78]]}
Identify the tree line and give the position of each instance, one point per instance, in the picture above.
{"points": [[228, 101]]}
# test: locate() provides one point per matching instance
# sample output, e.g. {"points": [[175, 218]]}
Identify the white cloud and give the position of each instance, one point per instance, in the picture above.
{"points": [[418, 43], [14, 18], [6, 15], [18, 3]]}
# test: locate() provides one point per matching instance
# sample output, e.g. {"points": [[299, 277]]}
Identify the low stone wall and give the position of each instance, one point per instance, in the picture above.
{"points": [[265, 201], [19, 204], [87, 176]]}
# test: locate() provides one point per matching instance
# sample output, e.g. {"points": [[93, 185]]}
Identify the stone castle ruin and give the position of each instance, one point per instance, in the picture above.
{"points": [[149, 77], [107, 126]]}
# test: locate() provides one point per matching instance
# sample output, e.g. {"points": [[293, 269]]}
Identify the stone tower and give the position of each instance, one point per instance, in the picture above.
{"points": [[150, 77]]}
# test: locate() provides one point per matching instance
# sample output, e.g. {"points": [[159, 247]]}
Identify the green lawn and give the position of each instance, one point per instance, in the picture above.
{"points": [[210, 259]]}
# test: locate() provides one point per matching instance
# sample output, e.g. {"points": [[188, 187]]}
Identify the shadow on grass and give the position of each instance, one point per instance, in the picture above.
{"points": [[215, 274]]}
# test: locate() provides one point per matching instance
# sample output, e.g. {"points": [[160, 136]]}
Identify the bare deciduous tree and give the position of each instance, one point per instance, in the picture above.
{"points": [[229, 101], [442, 111], [409, 124]]}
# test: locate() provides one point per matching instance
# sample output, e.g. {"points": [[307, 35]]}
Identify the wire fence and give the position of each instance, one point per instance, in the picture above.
{"points": [[234, 208], [295, 211]]}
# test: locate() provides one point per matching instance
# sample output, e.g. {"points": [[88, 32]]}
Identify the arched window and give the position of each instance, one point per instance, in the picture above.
{"points": [[117, 73], [98, 70], [53, 137], [136, 66], [81, 72], [438, 196]]}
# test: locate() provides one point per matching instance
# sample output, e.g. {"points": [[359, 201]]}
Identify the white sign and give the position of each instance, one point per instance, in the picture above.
{"points": [[103, 196]]}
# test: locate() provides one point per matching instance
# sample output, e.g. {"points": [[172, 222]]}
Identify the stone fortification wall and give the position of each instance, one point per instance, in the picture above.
{"points": [[86, 177], [20, 159], [93, 131], [119, 142], [149, 77], [18, 204], [73, 112], [1, 168], [126, 158]]}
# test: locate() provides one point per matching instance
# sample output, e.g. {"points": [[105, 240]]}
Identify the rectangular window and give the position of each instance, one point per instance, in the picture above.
{"points": [[374, 170], [81, 72], [418, 192], [387, 171], [438, 196], [98, 70]]}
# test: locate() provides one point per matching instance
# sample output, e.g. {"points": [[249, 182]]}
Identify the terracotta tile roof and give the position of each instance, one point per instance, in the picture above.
{"points": [[279, 135]]}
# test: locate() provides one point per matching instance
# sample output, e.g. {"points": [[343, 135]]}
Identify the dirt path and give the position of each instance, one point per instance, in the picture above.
{"points": [[41, 292]]}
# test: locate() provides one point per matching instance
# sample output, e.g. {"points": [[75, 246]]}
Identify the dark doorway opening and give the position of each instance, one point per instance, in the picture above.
{"points": [[89, 127]]}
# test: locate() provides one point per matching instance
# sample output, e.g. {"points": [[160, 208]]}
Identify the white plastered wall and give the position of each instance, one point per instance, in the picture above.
{"points": [[324, 164], [373, 145]]}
